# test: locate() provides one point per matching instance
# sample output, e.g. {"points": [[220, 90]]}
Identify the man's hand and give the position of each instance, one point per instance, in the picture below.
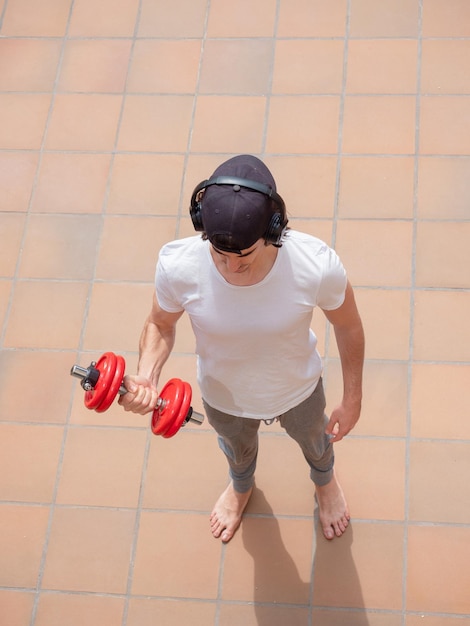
{"points": [[342, 421], [141, 396]]}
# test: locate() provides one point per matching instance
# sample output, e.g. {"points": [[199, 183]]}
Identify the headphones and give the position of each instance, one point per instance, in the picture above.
{"points": [[278, 220]]}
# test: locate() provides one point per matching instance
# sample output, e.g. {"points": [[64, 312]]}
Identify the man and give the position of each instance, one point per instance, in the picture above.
{"points": [[249, 285]]}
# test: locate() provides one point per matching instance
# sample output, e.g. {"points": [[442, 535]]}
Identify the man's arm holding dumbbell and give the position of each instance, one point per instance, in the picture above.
{"points": [[156, 343]]}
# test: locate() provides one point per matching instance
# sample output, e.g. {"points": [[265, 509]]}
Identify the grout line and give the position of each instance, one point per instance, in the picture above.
{"points": [[412, 318]]}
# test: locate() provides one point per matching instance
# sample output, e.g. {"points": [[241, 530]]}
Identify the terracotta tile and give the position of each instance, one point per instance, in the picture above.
{"points": [[282, 477], [269, 560], [149, 611], [228, 123], [106, 19], [71, 183], [94, 65], [28, 461], [186, 553], [316, 125], [25, 20], [393, 18], [102, 467], [83, 122], [11, 234], [382, 66], [155, 123], [443, 264], [362, 569], [441, 414], [46, 315], [24, 119], [446, 18], [433, 339], [185, 20], [5, 290], [365, 484], [443, 67], [39, 400], [384, 405], [22, 534], [245, 19], [379, 125], [117, 315], [443, 188], [427, 460], [376, 187], [444, 125], [100, 550], [306, 184], [129, 247], [146, 184], [60, 246], [312, 18], [429, 565], [17, 605], [433, 620], [236, 66], [17, 170], [78, 609], [252, 615], [164, 66], [322, 229], [308, 67], [362, 618], [169, 481], [386, 319], [368, 250], [28, 64]]}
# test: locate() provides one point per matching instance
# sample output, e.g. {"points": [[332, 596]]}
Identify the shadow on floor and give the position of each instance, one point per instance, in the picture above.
{"points": [[277, 580]]}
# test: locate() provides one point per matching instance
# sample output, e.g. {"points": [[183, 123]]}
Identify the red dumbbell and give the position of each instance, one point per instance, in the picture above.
{"points": [[102, 382]]}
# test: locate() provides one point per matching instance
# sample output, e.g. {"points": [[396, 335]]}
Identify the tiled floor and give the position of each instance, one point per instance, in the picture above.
{"points": [[111, 112]]}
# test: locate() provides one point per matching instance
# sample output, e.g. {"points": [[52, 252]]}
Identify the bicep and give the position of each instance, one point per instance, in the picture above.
{"points": [[347, 314], [165, 320]]}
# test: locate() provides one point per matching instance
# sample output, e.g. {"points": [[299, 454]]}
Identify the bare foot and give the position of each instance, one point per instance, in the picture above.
{"points": [[227, 513], [334, 513]]}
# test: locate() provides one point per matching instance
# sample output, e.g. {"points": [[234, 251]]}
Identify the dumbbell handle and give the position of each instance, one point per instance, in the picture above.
{"points": [[83, 374]]}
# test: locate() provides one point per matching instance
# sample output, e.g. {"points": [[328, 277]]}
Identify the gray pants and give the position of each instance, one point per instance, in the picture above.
{"points": [[305, 423]]}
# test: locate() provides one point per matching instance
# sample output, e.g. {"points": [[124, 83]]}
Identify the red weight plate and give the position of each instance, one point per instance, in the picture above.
{"points": [[114, 385], [183, 412], [107, 367], [172, 396]]}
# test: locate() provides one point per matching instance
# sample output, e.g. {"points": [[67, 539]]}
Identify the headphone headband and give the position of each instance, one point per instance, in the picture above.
{"points": [[241, 182]]}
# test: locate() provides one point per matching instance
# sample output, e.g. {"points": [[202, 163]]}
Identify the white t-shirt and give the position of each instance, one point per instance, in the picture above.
{"points": [[257, 355]]}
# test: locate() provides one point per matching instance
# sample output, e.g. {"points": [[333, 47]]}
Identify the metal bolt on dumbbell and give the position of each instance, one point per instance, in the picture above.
{"points": [[102, 382]]}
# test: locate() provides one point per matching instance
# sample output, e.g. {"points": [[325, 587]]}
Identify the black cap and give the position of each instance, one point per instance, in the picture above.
{"points": [[236, 216]]}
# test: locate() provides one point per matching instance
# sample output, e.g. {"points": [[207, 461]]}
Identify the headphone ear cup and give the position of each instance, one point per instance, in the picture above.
{"points": [[196, 216], [275, 229]]}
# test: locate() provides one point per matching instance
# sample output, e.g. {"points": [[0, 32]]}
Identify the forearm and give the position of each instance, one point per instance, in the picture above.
{"points": [[155, 346], [350, 341]]}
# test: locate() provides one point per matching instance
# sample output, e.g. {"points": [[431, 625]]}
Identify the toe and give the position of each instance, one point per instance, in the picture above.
{"points": [[328, 532]]}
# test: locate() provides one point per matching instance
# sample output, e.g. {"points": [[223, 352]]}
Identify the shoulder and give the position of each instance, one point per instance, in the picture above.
{"points": [[182, 252], [187, 245], [303, 244]]}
